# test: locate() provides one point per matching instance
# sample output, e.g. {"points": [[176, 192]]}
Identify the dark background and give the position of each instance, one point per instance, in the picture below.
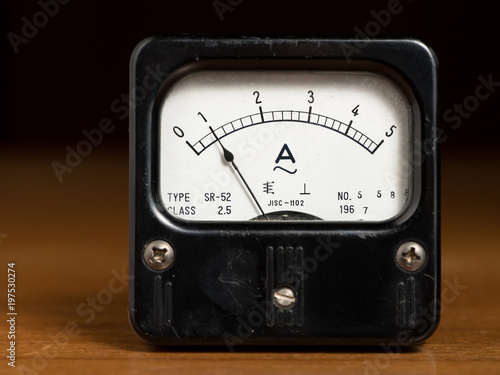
{"points": [[64, 79]]}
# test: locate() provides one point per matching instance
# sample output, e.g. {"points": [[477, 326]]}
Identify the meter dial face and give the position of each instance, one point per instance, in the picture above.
{"points": [[285, 145]]}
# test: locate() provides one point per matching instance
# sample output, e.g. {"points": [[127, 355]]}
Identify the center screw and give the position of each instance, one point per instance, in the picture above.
{"points": [[284, 298]]}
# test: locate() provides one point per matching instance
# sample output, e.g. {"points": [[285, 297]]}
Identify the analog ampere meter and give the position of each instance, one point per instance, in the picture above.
{"points": [[283, 191]]}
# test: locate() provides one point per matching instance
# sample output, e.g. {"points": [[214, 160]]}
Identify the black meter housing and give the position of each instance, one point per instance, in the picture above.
{"points": [[284, 282]]}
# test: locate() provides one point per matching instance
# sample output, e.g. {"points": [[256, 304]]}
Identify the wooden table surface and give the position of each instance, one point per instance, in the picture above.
{"points": [[69, 242]]}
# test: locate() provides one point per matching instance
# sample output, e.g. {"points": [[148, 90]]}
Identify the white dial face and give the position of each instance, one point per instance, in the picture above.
{"points": [[285, 145]]}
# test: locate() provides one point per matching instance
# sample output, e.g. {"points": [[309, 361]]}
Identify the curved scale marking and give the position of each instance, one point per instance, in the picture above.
{"points": [[290, 116]]}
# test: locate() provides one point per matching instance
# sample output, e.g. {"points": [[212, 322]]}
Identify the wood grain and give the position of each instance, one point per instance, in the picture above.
{"points": [[69, 241]]}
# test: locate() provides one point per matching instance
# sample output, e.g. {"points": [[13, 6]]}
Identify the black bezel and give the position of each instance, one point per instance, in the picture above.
{"points": [[366, 251]]}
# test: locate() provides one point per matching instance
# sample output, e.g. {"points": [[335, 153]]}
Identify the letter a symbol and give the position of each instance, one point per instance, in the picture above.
{"points": [[285, 154]]}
